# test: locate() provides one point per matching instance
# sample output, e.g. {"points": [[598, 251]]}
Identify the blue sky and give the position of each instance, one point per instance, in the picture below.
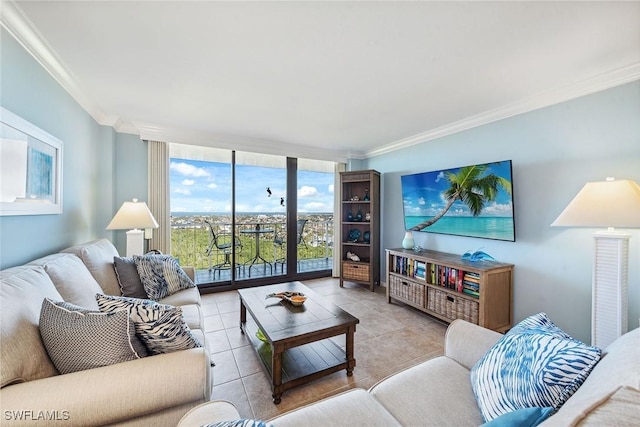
{"points": [[199, 186], [422, 194]]}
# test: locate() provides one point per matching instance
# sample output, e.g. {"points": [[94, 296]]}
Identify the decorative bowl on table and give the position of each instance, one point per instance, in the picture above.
{"points": [[297, 300]]}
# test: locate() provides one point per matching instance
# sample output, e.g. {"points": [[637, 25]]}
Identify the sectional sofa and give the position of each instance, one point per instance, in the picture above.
{"points": [[439, 392], [155, 390]]}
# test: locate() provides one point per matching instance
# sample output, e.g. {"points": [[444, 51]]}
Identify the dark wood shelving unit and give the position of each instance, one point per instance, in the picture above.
{"points": [[359, 235]]}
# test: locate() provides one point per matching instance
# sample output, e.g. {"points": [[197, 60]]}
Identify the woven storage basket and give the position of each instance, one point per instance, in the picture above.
{"points": [[451, 306], [407, 290], [355, 271]]}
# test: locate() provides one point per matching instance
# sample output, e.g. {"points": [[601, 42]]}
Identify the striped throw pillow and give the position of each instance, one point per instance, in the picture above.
{"points": [[535, 364], [161, 275], [161, 327]]}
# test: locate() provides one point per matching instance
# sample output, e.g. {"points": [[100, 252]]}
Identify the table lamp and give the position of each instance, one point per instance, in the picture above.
{"points": [[133, 216], [609, 204]]}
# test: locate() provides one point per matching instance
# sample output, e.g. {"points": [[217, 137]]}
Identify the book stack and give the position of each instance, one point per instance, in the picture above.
{"points": [[471, 284]]}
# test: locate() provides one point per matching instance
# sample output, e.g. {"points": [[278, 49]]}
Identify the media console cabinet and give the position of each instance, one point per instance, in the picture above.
{"points": [[448, 287]]}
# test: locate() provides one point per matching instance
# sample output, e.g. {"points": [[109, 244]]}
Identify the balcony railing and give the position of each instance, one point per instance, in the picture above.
{"points": [[191, 237]]}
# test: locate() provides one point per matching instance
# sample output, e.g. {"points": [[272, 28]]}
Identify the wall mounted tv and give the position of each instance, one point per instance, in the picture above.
{"points": [[473, 201]]}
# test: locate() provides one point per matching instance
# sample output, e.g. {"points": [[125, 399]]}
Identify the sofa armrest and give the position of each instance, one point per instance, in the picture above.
{"points": [[112, 393], [466, 342], [191, 272], [210, 412]]}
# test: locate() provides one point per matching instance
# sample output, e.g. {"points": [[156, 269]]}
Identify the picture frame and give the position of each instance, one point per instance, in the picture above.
{"points": [[30, 168], [435, 201]]}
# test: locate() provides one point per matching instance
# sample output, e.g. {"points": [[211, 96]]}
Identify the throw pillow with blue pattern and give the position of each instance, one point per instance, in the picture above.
{"points": [[161, 327], [161, 275], [535, 364], [239, 423]]}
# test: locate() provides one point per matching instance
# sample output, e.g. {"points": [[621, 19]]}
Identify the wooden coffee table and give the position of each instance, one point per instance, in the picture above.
{"points": [[298, 349]]}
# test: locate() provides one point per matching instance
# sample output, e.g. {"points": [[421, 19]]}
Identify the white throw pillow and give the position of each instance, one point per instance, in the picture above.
{"points": [[77, 339]]}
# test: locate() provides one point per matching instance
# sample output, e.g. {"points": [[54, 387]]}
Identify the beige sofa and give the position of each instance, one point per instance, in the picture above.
{"points": [[155, 390], [438, 392]]}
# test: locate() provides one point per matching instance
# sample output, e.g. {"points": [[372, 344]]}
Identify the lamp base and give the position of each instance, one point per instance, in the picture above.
{"points": [[610, 287], [135, 242]]}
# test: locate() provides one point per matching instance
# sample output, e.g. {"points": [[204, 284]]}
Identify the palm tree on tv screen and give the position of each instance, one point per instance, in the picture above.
{"points": [[472, 187]]}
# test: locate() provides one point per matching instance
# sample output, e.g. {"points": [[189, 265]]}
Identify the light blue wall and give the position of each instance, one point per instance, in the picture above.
{"points": [[555, 151], [101, 168], [27, 90], [130, 177]]}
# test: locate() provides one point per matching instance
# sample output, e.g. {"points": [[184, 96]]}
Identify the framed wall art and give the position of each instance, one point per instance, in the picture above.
{"points": [[472, 201], [30, 168]]}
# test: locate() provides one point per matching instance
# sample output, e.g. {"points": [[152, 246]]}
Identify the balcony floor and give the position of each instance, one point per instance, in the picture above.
{"points": [[206, 276]]}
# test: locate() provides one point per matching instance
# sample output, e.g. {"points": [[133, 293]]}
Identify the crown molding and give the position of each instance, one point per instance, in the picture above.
{"points": [[575, 90], [152, 132], [13, 19], [22, 29]]}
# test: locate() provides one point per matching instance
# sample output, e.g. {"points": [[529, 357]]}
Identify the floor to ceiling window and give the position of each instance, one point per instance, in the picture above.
{"points": [[245, 219]]}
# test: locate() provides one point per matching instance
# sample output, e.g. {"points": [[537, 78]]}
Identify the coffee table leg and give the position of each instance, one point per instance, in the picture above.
{"points": [[243, 316], [351, 361], [276, 368]]}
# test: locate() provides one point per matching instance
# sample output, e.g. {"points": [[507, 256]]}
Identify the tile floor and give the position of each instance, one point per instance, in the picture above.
{"points": [[388, 338]]}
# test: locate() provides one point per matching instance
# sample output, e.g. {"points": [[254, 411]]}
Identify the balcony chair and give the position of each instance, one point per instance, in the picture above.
{"points": [[280, 243], [222, 243]]}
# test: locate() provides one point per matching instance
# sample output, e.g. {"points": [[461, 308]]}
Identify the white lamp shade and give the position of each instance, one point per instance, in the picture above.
{"points": [[603, 204], [133, 215]]}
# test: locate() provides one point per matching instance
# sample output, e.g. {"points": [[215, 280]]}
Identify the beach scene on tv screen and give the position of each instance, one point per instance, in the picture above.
{"points": [[473, 201]]}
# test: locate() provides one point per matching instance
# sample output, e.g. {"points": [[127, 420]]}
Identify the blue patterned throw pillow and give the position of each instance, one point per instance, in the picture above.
{"points": [[161, 275], [239, 423], [160, 326], [525, 417], [535, 364]]}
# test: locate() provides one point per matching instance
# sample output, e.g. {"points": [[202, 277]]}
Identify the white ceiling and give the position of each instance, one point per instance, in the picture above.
{"points": [[327, 80]]}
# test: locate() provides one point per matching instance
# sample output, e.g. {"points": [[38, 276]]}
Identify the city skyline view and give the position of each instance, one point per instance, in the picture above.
{"points": [[205, 187]]}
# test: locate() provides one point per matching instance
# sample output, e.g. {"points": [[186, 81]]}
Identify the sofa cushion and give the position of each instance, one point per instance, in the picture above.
{"points": [[420, 393], [97, 256], [22, 352], [619, 366], [184, 297], [191, 314], [78, 339], [71, 278], [160, 327], [620, 408], [352, 408], [535, 364], [161, 275], [128, 278]]}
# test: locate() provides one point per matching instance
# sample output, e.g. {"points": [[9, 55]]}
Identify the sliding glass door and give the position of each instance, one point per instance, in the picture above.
{"points": [[261, 213], [244, 219], [314, 227]]}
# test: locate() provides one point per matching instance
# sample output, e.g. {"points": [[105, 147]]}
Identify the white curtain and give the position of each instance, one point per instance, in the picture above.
{"points": [[159, 203], [337, 226]]}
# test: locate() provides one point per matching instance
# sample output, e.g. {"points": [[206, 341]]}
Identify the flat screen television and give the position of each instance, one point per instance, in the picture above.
{"points": [[473, 201]]}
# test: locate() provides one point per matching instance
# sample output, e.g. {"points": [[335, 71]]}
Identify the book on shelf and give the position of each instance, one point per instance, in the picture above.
{"points": [[475, 294], [421, 270]]}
